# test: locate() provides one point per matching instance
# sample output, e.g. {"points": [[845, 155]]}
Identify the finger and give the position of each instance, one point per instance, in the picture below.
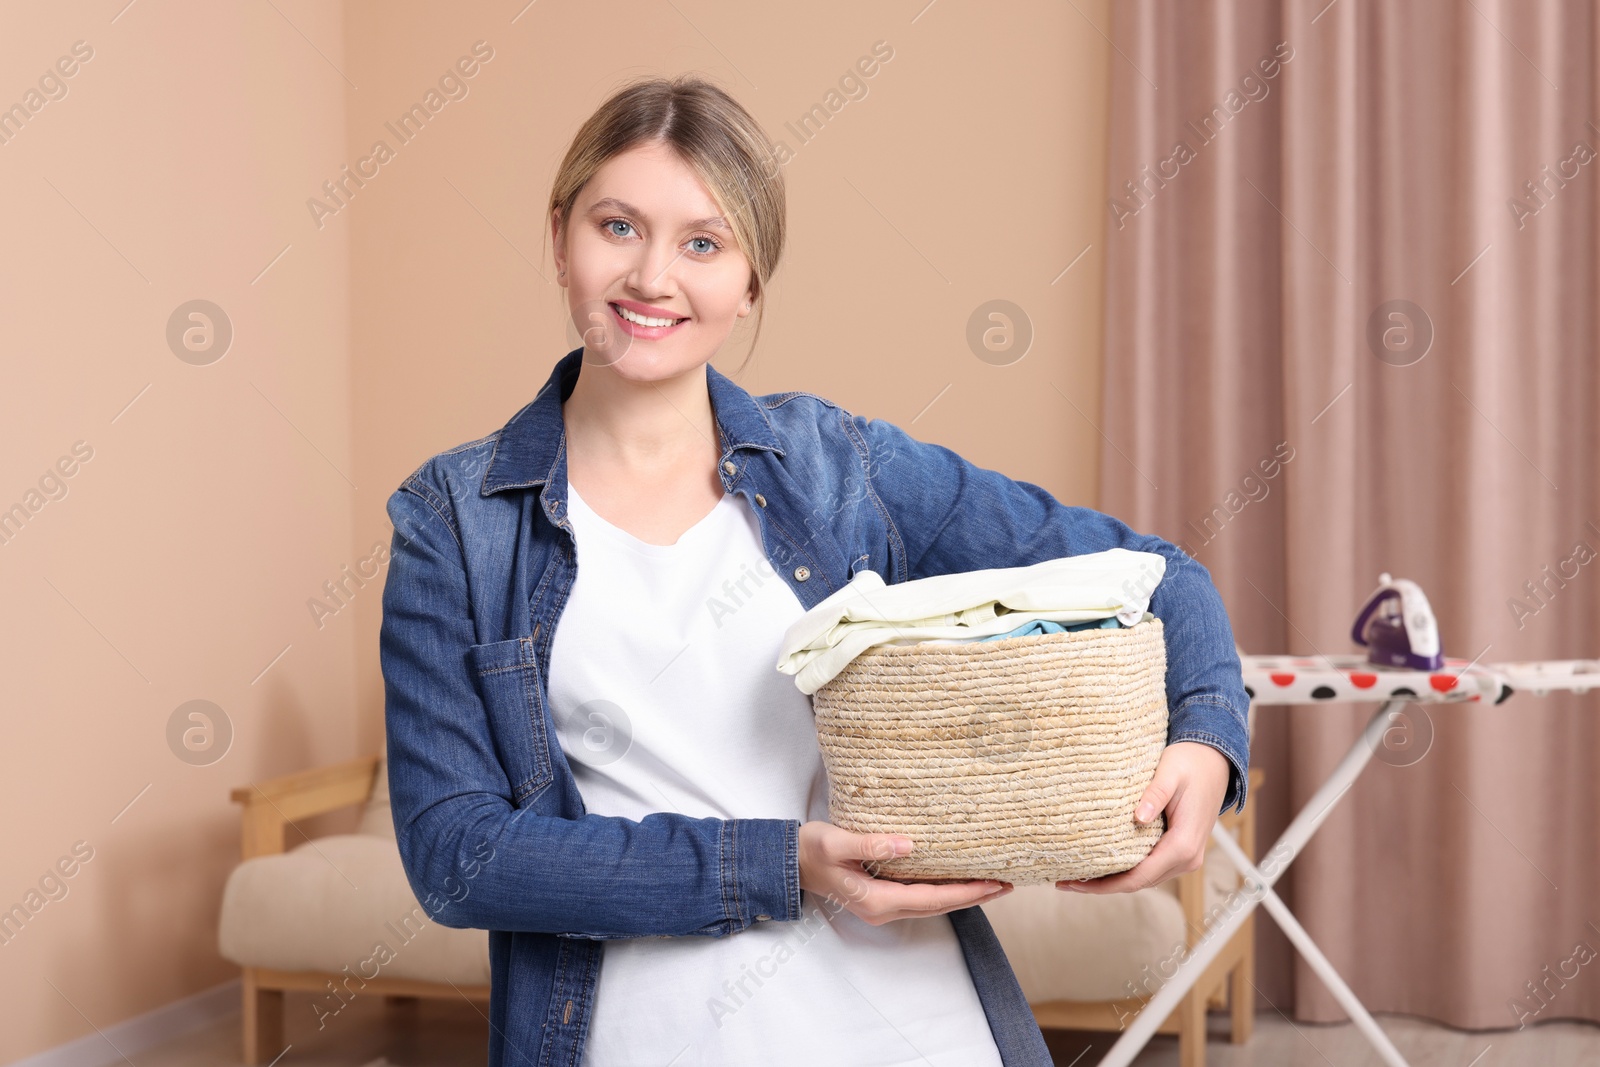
{"points": [[1157, 793], [877, 847], [857, 887], [928, 913], [1188, 827], [924, 897], [908, 912]]}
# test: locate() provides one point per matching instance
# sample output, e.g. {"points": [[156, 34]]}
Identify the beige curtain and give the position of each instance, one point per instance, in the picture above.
{"points": [[1351, 329]]}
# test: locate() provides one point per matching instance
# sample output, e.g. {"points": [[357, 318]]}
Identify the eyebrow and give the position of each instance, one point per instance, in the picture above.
{"points": [[611, 203]]}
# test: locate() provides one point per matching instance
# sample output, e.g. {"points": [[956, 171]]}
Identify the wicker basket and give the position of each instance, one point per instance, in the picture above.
{"points": [[1019, 759]]}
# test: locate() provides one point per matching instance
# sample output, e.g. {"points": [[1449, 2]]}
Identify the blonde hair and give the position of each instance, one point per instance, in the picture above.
{"points": [[715, 136]]}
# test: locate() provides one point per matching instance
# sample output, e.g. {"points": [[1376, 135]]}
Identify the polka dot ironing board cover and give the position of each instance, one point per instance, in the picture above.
{"points": [[1316, 679]]}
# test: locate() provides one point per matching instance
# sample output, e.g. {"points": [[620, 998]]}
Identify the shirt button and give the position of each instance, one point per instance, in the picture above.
{"points": [[761, 500], [729, 467], [802, 572], [762, 918]]}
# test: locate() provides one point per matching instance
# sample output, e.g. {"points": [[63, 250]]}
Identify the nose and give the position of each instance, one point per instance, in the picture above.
{"points": [[652, 275]]}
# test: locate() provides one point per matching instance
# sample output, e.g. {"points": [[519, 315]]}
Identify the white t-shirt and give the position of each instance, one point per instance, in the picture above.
{"points": [[665, 698]]}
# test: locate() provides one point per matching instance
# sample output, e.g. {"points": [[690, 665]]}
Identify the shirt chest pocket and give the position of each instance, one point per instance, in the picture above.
{"points": [[507, 676]]}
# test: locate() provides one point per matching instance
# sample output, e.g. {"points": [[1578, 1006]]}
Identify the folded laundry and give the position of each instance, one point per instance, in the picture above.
{"points": [[1045, 626], [1115, 584], [1036, 626]]}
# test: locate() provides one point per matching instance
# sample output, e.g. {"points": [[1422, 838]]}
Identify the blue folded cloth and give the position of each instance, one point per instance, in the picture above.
{"points": [[1045, 626]]}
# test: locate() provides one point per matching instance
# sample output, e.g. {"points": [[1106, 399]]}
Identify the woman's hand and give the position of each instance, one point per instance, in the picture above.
{"points": [[841, 865], [1190, 781]]}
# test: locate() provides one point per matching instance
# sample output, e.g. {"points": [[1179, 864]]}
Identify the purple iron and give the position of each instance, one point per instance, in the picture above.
{"points": [[1398, 628]]}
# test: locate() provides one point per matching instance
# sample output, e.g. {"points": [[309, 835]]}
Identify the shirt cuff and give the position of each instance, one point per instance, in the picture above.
{"points": [[760, 871]]}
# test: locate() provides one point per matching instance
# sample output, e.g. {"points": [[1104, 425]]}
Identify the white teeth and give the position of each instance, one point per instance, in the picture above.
{"points": [[643, 320]]}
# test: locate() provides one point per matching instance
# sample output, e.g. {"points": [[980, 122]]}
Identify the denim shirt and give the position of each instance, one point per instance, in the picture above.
{"points": [[492, 831]]}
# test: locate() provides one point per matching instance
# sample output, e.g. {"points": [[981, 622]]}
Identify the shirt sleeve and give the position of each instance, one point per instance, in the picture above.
{"points": [[946, 514], [472, 857]]}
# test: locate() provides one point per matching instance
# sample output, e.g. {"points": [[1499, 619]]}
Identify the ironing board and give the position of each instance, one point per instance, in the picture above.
{"points": [[1285, 680]]}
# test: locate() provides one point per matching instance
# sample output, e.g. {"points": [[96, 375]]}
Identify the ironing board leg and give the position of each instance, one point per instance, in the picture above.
{"points": [[1308, 948], [1256, 888]]}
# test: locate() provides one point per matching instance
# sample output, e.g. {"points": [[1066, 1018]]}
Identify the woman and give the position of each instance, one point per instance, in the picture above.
{"points": [[682, 798]]}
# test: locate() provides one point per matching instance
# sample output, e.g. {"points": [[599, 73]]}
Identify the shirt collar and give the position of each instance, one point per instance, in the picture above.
{"points": [[526, 452]]}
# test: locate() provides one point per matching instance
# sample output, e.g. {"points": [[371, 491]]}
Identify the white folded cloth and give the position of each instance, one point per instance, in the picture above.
{"points": [[965, 606]]}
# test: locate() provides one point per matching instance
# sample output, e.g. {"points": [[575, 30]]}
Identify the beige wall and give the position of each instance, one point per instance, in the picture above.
{"points": [[180, 561]]}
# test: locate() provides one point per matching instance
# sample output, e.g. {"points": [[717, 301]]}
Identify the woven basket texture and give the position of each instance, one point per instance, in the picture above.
{"points": [[1019, 759]]}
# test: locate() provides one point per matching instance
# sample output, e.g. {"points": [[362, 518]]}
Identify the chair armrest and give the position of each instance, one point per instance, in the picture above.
{"points": [[272, 805]]}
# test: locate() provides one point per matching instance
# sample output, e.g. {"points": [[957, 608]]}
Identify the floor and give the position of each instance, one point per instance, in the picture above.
{"points": [[371, 1033], [1280, 1043]]}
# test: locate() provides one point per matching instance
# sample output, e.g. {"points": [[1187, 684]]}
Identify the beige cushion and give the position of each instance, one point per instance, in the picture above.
{"points": [[343, 901], [1087, 947]]}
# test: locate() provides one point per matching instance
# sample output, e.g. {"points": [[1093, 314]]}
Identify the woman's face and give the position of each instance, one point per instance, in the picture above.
{"points": [[646, 238]]}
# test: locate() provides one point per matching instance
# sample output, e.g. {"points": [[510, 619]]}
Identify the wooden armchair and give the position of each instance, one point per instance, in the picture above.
{"points": [[365, 893]]}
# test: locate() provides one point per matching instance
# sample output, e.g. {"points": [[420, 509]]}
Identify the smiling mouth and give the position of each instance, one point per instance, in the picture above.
{"points": [[644, 320]]}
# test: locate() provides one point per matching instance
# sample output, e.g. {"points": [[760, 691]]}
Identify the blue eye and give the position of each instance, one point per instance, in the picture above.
{"points": [[716, 246]]}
